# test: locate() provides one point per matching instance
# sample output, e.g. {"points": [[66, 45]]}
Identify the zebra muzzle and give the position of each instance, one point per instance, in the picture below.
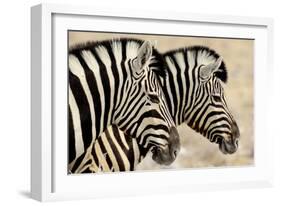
{"points": [[228, 148], [229, 144], [168, 154]]}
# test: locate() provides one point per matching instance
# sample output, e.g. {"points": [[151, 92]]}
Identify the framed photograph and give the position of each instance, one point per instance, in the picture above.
{"points": [[135, 102]]}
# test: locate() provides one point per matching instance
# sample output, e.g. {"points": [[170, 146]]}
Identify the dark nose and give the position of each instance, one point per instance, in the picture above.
{"points": [[174, 142], [167, 155]]}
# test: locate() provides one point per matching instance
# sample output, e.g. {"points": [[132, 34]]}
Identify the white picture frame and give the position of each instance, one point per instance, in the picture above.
{"points": [[50, 22]]}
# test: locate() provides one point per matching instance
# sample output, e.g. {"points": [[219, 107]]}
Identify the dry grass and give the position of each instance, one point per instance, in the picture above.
{"points": [[196, 151]]}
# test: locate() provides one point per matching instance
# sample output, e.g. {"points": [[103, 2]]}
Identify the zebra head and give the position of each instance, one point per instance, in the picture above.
{"points": [[208, 113], [152, 124]]}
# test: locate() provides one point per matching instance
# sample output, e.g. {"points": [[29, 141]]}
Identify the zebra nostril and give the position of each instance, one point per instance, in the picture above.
{"points": [[236, 142], [175, 153]]}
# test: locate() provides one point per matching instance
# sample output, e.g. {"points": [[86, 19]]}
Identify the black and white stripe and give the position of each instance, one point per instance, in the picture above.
{"points": [[194, 91], [114, 82]]}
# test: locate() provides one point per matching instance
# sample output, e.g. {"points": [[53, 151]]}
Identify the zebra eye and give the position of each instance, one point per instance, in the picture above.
{"points": [[216, 98], [154, 98]]}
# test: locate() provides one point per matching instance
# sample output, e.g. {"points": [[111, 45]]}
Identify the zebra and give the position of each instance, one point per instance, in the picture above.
{"points": [[193, 88], [115, 82]]}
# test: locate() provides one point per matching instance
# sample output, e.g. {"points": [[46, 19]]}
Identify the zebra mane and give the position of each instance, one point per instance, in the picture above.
{"points": [[159, 65], [221, 74], [92, 44]]}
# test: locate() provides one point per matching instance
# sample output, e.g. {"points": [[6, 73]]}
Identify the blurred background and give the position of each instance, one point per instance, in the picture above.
{"points": [[197, 151]]}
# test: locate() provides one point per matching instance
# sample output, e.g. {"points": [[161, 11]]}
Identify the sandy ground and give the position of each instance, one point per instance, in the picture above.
{"points": [[196, 151]]}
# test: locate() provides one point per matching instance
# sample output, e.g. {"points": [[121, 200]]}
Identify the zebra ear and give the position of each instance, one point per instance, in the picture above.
{"points": [[207, 70], [143, 56]]}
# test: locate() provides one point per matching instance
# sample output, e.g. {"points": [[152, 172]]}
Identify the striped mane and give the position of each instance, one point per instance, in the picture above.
{"points": [[206, 54], [159, 66]]}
